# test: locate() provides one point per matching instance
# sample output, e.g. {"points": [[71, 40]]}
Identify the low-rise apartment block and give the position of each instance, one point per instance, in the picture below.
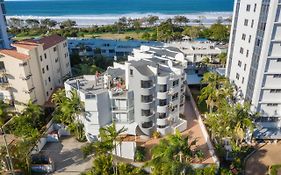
{"points": [[110, 48], [33, 69], [145, 94]]}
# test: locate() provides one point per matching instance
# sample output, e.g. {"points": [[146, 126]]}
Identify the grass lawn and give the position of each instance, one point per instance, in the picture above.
{"points": [[117, 36], [195, 91]]}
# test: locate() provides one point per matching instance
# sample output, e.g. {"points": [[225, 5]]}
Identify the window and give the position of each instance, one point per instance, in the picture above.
{"points": [[45, 56], [237, 76], [255, 7], [55, 49], [175, 83], [242, 80], [47, 67], [275, 90], [146, 112], [131, 72], [241, 50], [246, 21], [47, 93], [249, 40], [43, 70], [239, 63], [146, 84], [272, 104], [162, 102], [245, 66], [23, 64], [278, 60], [243, 36], [248, 8], [163, 88], [56, 60], [258, 42], [41, 59], [67, 64], [162, 115], [247, 53], [49, 79], [252, 23], [277, 76], [175, 96], [146, 98]]}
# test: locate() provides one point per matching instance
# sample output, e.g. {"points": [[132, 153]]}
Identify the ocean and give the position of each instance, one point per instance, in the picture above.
{"points": [[106, 11]]}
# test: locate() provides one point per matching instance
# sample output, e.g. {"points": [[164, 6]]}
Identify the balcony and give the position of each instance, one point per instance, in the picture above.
{"points": [[29, 91], [164, 130], [162, 122], [3, 71], [162, 109], [146, 99], [4, 85], [25, 77], [116, 109]]}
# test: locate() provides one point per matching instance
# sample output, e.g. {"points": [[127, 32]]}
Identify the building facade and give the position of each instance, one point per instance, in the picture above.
{"points": [[4, 40], [145, 94], [33, 69], [254, 57], [87, 47]]}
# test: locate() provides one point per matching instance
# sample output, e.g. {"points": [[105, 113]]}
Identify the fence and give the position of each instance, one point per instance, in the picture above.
{"points": [[203, 128]]}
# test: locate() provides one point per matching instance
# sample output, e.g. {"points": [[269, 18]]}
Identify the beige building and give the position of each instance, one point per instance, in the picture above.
{"points": [[33, 69]]}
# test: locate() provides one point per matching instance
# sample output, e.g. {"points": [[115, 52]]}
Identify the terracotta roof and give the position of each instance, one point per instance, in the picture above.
{"points": [[50, 41], [13, 53], [47, 42], [26, 44]]}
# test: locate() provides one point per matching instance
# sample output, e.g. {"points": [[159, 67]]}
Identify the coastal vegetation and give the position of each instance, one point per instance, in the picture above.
{"points": [[67, 111], [148, 28], [104, 151], [25, 128], [228, 121]]}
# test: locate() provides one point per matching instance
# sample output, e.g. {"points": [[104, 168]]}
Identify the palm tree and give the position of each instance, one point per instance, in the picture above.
{"points": [[172, 155], [210, 92], [111, 134], [67, 111]]}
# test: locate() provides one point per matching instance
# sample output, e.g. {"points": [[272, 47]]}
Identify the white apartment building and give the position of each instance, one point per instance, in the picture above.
{"points": [[4, 40], [33, 69], [88, 47], [254, 60], [196, 51], [145, 94]]}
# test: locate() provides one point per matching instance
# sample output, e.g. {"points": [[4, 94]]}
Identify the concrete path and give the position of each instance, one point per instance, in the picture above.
{"points": [[67, 156], [266, 156]]}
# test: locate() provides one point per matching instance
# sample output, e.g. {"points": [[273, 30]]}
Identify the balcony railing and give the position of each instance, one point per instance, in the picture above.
{"points": [[4, 85]]}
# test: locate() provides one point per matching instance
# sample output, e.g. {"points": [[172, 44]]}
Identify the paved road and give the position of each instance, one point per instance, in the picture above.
{"points": [[259, 162], [67, 156]]}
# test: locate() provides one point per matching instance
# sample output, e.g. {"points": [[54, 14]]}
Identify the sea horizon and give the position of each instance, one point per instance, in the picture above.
{"points": [[102, 12]]}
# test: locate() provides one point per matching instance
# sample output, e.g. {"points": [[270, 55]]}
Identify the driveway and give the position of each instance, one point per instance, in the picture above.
{"points": [[266, 156], [67, 156]]}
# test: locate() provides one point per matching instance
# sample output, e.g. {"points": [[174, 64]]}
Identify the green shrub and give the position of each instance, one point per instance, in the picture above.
{"points": [[140, 154], [274, 169]]}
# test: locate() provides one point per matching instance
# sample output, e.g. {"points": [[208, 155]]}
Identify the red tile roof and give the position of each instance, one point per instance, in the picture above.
{"points": [[50, 41], [13, 53], [47, 42], [26, 44]]}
